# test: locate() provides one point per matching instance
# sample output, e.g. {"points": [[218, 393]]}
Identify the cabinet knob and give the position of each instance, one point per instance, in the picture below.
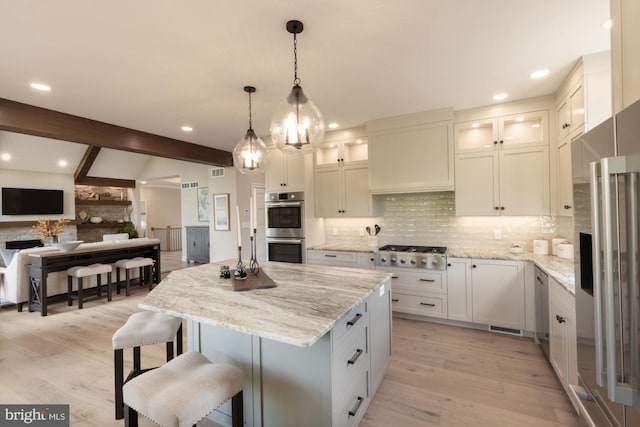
{"points": [[474, 266], [501, 141], [567, 206], [501, 208], [560, 319], [496, 208], [565, 125], [448, 265], [495, 142]]}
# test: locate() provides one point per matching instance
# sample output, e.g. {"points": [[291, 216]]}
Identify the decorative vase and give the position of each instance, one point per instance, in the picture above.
{"points": [[50, 240]]}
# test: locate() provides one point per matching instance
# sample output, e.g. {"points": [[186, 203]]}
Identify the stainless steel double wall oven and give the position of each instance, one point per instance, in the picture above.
{"points": [[285, 227]]}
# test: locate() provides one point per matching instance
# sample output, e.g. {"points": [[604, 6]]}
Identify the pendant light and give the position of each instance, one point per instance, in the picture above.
{"points": [[297, 125], [250, 154]]}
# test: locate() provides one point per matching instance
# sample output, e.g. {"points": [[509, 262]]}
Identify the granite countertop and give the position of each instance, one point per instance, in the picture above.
{"points": [[344, 247], [303, 307], [562, 270]]}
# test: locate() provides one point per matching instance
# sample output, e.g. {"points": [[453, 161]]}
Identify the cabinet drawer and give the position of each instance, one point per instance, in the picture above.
{"points": [[350, 354], [418, 281], [350, 322], [432, 305], [339, 258], [351, 404]]}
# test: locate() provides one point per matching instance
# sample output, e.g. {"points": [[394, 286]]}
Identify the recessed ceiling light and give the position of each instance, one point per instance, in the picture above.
{"points": [[62, 163], [537, 125], [332, 145], [475, 125], [519, 119], [41, 86], [539, 74], [500, 96], [607, 24], [333, 125], [187, 128], [5, 156], [143, 182], [358, 141]]}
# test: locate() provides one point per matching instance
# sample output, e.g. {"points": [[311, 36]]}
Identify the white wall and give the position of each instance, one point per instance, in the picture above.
{"points": [[163, 206]]}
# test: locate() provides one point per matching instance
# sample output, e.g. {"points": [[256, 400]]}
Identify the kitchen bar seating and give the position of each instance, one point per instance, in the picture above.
{"points": [[184, 391], [140, 329], [80, 273], [143, 264]]}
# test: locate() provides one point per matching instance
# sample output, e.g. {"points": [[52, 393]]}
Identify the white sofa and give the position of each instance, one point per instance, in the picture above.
{"points": [[15, 283]]}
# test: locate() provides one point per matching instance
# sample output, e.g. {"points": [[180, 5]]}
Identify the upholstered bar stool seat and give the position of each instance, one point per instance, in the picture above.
{"points": [[80, 273], [127, 265], [184, 391], [143, 328]]}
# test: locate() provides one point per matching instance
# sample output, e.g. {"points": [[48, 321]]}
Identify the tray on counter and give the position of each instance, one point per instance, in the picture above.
{"points": [[252, 281]]}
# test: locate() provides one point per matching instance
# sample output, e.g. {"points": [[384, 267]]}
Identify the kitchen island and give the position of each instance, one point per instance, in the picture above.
{"points": [[314, 349]]}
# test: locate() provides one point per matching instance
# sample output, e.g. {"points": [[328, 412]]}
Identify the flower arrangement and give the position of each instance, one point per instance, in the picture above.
{"points": [[50, 228]]}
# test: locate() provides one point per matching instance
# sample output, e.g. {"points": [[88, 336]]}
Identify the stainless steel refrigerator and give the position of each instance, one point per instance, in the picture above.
{"points": [[606, 190]]}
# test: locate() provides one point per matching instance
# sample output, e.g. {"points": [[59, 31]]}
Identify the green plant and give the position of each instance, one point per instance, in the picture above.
{"points": [[129, 228]]}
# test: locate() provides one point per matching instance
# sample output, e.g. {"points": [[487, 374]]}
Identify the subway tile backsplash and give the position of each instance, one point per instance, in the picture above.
{"points": [[429, 219]]}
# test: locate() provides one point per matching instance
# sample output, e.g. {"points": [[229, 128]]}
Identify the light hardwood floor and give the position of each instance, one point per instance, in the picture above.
{"points": [[440, 375]]}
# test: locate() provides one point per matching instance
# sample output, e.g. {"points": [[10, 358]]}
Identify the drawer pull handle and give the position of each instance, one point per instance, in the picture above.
{"points": [[394, 300], [394, 277], [356, 407], [560, 319], [428, 303], [427, 280], [355, 319], [355, 357], [330, 256]]}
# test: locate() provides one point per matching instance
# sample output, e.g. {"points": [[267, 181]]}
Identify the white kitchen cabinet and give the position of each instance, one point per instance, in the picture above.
{"points": [[625, 45], [342, 191], [527, 129], [562, 333], [498, 293], [503, 182], [502, 164], [582, 102], [412, 153], [340, 258], [418, 291], [459, 295], [285, 172]]}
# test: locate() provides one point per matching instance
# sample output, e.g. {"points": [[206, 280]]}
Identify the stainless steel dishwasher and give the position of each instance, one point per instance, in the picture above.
{"points": [[542, 309]]}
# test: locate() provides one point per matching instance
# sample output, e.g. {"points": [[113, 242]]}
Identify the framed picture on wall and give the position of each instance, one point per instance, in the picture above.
{"points": [[221, 212], [203, 204]]}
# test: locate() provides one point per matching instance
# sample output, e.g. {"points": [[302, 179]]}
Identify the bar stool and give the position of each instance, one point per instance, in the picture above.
{"points": [[184, 391], [128, 264], [143, 328], [80, 273]]}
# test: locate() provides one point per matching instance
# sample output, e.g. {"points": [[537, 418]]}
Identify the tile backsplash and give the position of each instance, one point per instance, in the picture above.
{"points": [[429, 219]]}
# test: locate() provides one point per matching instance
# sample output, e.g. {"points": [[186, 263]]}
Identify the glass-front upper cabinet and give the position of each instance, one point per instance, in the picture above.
{"points": [[512, 131], [341, 147]]}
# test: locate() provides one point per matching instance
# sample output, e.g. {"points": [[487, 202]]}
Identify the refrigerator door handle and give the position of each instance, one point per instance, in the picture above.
{"points": [[594, 174], [619, 390]]}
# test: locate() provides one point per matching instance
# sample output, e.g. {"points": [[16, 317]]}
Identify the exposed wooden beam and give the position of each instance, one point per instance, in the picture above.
{"points": [[31, 120], [85, 164], [106, 182]]}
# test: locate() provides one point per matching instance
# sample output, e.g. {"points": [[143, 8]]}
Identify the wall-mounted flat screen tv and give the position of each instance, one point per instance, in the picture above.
{"points": [[31, 201]]}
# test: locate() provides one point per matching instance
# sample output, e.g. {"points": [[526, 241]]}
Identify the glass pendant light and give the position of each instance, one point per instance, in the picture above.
{"points": [[250, 154], [297, 125]]}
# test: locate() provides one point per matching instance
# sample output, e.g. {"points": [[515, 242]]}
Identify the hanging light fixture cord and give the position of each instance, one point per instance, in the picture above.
{"points": [[296, 80], [250, 127]]}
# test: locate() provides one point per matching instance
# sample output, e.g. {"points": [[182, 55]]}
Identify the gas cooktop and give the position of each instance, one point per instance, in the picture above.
{"points": [[414, 249]]}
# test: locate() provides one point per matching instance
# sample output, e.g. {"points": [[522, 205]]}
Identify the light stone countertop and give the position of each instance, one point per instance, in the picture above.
{"points": [[303, 307], [343, 247], [562, 270]]}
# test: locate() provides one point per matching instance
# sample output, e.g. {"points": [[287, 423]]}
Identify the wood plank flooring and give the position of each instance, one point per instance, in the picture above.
{"points": [[440, 375]]}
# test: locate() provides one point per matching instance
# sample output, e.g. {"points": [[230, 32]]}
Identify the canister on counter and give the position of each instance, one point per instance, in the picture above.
{"points": [[555, 242], [541, 246], [565, 250]]}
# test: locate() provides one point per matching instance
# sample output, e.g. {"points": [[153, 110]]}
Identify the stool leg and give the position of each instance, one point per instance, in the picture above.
{"points": [[127, 278], [99, 284], [169, 350], [109, 286], [118, 280], [179, 340], [237, 412], [69, 290], [136, 360], [79, 292], [147, 277], [118, 362], [141, 276], [130, 417]]}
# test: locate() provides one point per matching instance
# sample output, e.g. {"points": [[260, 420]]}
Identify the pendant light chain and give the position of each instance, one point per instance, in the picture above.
{"points": [[250, 127], [296, 80]]}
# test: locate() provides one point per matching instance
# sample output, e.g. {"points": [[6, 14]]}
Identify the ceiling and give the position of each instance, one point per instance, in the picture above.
{"points": [[156, 65]]}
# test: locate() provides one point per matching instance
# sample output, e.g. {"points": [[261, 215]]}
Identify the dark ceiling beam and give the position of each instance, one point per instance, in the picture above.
{"points": [[106, 182], [31, 120], [85, 164]]}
